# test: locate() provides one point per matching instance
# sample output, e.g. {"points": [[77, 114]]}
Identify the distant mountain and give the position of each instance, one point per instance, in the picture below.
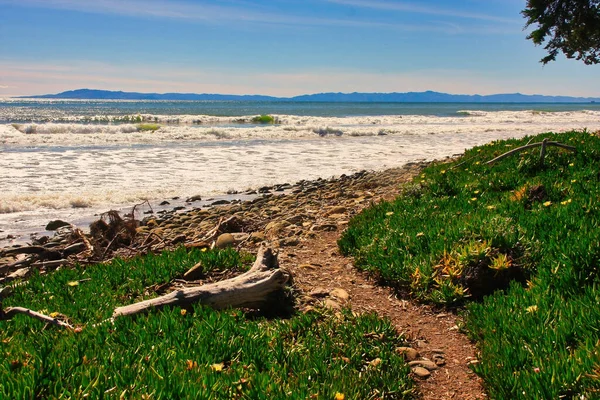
{"points": [[409, 97], [91, 94]]}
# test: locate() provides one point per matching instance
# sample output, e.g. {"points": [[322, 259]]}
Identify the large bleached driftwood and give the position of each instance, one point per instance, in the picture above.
{"points": [[251, 289]]}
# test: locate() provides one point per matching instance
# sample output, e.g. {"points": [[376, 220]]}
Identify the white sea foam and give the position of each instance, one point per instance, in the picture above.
{"points": [[69, 170]]}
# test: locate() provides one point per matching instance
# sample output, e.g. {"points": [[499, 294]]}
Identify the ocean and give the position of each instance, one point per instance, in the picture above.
{"points": [[73, 159]]}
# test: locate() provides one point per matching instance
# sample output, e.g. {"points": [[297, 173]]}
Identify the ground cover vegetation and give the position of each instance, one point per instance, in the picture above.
{"points": [[192, 352], [518, 243]]}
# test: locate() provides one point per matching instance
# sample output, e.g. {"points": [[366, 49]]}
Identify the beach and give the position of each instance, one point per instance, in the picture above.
{"points": [[75, 161]]}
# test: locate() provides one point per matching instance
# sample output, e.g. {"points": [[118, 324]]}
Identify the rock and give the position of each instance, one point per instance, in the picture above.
{"points": [[421, 372], [178, 208], [340, 294], [164, 203], [275, 228], [319, 292], [220, 202], [409, 353], [324, 228], [334, 305], [430, 365], [225, 240], [57, 223], [337, 210], [193, 198], [288, 242], [439, 360]]}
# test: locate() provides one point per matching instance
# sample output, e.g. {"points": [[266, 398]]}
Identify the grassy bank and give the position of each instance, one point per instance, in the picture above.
{"points": [[186, 353], [518, 242]]}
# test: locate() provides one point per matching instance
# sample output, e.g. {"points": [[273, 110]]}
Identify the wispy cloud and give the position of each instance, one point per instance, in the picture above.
{"points": [[422, 9], [227, 14], [208, 13]]}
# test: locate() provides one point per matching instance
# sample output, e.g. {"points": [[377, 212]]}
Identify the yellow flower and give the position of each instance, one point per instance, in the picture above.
{"points": [[571, 165], [473, 198], [217, 367], [387, 214], [531, 309], [476, 192], [183, 311], [339, 396], [420, 234], [574, 181], [564, 203], [443, 171], [477, 163], [491, 207], [547, 204]]}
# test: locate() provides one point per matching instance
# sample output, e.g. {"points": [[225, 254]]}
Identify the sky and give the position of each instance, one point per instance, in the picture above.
{"points": [[278, 47]]}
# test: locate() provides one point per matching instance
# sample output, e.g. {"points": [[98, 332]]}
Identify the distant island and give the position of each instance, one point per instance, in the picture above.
{"points": [[408, 97]]}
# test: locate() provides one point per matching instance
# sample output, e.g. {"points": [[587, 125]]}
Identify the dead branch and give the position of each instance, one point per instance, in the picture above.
{"points": [[10, 312], [544, 143]]}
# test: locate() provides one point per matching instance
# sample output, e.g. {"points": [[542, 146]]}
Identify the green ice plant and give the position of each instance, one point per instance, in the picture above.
{"points": [[192, 352], [539, 336]]}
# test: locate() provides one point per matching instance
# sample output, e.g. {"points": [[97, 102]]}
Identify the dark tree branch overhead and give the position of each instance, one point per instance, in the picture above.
{"points": [[568, 26]]}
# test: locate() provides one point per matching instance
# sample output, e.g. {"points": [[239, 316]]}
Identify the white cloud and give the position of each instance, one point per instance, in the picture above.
{"points": [[420, 9]]}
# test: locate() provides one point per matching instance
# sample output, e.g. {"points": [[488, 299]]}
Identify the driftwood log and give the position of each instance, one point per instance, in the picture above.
{"points": [[252, 289], [543, 144]]}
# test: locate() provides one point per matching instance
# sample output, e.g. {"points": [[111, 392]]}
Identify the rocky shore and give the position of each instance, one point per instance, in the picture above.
{"points": [[281, 216]]}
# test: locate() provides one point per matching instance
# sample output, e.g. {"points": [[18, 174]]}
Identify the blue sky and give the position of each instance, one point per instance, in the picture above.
{"points": [[278, 47]]}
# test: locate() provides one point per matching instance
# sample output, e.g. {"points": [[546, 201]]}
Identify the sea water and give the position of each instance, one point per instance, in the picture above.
{"points": [[72, 159]]}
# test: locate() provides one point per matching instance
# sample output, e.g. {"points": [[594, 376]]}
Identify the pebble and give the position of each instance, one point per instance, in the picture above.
{"points": [[340, 294], [430, 365], [225, 240], [421, 372], [409, 353], [57, 223]]}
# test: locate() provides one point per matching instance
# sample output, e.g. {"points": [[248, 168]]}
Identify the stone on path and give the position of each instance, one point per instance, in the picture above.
{"points": [[409, 353], [430, 365], [421, 372]]}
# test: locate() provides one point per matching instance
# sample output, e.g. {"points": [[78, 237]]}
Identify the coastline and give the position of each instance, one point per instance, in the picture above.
{"points": [[282, 215]]}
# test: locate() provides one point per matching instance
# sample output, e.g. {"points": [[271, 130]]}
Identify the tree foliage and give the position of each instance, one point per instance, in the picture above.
{"points": [[568, 26]]}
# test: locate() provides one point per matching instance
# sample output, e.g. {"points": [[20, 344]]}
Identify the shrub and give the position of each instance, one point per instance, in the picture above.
{"points": [[148, 127], [264, 119]]}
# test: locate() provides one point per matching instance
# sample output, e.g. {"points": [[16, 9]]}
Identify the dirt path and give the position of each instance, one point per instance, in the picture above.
{"points": [[318, 268]]}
